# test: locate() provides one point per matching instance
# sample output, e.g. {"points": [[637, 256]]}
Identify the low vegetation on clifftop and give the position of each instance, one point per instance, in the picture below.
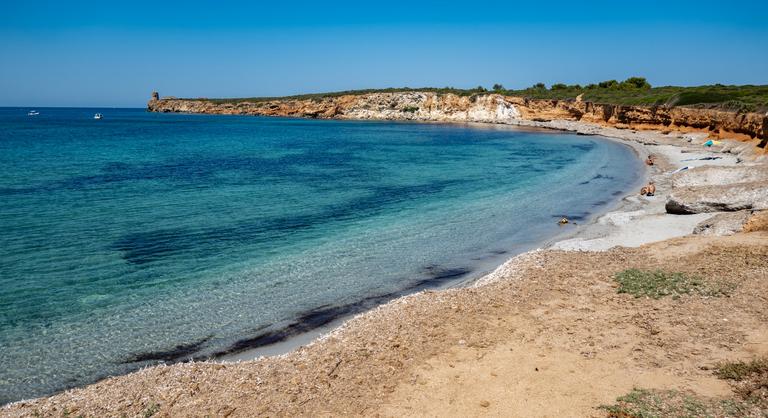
{"points": [[722, 112], [632, 91]]}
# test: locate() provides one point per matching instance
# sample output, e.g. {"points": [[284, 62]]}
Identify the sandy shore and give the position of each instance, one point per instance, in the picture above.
{"points": [[546, 334], [634, 221], [640, 220]]}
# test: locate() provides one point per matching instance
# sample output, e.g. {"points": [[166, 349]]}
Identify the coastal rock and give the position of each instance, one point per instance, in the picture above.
{"points": [[713, 175], [727, 223], [717, 188], [417, 106], [718, 198], [485, 107]]}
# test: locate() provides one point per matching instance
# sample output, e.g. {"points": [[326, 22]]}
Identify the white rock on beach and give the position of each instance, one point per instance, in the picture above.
{"points": [[712, 175], [727, 223], [720, 198]]}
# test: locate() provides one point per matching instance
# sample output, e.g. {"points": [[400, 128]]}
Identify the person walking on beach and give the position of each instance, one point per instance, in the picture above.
{"points": [[649, 160]]}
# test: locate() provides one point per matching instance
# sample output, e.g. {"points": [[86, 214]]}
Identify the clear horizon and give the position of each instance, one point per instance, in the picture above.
{"points": [[88, 54]]}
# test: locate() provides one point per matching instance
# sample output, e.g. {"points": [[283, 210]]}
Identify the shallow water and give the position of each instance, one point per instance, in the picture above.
{"points": [[148, 237]]}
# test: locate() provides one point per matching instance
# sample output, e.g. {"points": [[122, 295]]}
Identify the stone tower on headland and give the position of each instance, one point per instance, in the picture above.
{"points": [[155, 95]]}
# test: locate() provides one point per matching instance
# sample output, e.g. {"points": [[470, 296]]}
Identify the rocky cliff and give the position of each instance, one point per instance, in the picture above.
{"points": [[491, 108]]}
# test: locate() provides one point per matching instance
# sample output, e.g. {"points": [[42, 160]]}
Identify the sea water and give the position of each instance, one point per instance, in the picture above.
{"points": [[144, 238]]}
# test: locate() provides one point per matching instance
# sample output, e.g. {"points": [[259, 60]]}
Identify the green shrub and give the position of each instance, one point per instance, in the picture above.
{"points": [[731, 98], [410, 109], [749, 380], [643, 403], [635, 83], [153, 409], [657, 284], [695, 97], [738, 106], [740, 370]]}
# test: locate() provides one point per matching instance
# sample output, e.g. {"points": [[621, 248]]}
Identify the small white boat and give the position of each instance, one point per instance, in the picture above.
{"points": [[33, 113], [98, 116]]}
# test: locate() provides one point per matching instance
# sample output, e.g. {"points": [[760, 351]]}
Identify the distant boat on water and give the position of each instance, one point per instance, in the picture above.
{"points": [[98, 116], [33, 113]]}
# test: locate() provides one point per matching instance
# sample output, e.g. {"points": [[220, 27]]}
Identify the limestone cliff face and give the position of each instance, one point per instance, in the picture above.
{"points": [[717, 123], [415, 106], [492, 108]]}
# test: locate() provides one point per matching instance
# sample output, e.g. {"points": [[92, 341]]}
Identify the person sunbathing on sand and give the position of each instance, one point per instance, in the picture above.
{"points": [[648, 190]]}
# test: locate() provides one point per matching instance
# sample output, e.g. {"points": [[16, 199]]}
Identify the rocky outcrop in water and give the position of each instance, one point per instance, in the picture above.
{"points": [[493, 108]]}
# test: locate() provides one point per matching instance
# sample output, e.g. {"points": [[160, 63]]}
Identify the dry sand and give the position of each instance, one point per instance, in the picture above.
{"points": [[576, 344], [546, 334]]}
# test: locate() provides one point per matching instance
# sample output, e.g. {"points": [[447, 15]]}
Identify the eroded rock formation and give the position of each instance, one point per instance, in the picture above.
{"points": [[715, 189], [726, 223], [493, 108]]}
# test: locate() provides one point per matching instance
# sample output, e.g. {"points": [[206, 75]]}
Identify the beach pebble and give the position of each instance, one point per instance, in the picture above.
{"points": [[485, 404]]}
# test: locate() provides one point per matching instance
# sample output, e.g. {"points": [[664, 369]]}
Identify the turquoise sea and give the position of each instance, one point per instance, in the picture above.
{"points": [[144, 238]]}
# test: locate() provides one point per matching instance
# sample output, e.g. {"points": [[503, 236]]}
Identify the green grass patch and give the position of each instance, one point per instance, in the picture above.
{"points": [[730, 98], [642, 403], [657, 284], [410, 109]]}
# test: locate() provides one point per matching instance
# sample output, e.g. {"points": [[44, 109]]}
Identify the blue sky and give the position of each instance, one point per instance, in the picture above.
{"points": [[79, 53]]}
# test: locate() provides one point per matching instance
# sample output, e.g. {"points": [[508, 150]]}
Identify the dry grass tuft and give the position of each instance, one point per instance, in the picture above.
{"points": [[749, 379]]}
